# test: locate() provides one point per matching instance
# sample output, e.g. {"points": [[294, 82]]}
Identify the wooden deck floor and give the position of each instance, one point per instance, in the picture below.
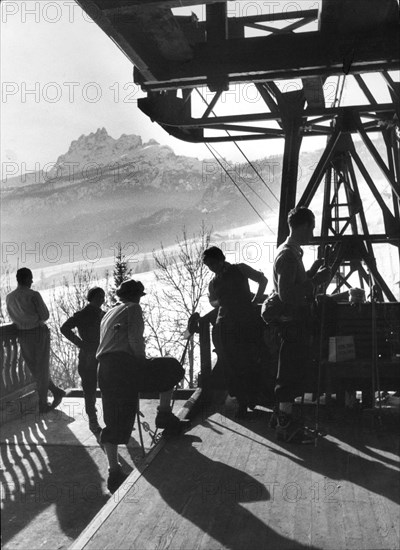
{"points": [[53, 475], [231, 485]]}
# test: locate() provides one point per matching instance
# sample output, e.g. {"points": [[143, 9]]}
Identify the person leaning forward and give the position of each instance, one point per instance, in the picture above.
{"points": [[29, 313], [124, 371], [238, 328], [296, 288], [87, 322]]}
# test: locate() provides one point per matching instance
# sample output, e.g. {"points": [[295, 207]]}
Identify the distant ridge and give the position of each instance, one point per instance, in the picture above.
{"points": [[105, 190]]}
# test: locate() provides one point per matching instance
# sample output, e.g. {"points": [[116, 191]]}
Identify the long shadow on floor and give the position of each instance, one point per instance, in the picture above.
{"points": [[366, 463], [40, 479], [213, 496]]}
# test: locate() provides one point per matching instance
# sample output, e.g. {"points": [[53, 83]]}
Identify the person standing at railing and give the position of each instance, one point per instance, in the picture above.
{"points": [[295, 287], [238, 337], [124, 371], [87, 322], [29, 313]]}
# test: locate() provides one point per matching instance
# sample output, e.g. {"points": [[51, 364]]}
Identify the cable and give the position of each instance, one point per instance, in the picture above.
{"points": [[241, 151], [256, 171], [238, 188], [251, 189]]}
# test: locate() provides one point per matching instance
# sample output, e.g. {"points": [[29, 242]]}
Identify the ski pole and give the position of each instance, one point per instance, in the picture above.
{"points": [[327, 252]]}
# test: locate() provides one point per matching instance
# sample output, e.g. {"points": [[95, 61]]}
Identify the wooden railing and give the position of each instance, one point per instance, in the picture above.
{"points": [[205, 324], [267, 372], [15, 378], [335, 377]]}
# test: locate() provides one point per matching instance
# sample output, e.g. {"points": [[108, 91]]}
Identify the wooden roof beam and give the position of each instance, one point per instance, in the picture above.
{"points": [[265, 58], [124, 6]]}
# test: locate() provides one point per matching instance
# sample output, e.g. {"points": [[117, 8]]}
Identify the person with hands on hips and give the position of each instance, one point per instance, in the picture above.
{"points": [[238, 328], [87, 322]]}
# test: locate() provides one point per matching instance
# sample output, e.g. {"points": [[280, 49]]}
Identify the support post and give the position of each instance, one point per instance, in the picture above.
{"points": [[291, 105]]}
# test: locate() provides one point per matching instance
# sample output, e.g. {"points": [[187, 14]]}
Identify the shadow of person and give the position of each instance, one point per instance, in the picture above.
{"points": [[343, 455], [215, 498], [373, 434], [50, 480]]}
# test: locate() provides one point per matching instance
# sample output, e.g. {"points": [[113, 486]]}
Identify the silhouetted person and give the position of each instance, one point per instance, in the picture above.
{"points": [[124, 371], [238, 328], [29, 313], [87, 322], [296, 288]]}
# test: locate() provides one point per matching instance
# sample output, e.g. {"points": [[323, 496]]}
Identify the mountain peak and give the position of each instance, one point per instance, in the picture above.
{"points": [[101, 133], [96, 149]]}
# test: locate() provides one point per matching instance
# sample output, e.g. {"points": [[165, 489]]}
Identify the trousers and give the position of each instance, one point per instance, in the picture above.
{"points": [[121, 379], [87, 370], [294, 356], [35, 351]]}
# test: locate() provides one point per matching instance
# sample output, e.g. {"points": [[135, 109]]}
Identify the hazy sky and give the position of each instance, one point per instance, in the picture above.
{"points": [[63, 77]]}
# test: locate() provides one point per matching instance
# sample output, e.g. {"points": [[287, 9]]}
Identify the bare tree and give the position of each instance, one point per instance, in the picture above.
{"points": [[5, 288], [181, 283]]}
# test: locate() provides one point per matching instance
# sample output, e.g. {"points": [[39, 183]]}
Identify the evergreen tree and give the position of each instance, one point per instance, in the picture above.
{"points": [[122, 271]]}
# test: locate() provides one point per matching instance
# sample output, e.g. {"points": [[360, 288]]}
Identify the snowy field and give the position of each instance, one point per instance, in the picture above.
{"points": [[251, 244]]}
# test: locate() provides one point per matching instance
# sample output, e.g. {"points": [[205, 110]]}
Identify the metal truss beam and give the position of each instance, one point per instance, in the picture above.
{"points": [[174, 114], [344, 222]]}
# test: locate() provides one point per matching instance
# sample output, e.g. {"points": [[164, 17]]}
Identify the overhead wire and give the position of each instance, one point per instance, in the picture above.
{"points": [[246, 158], [243, 179], [241, 151], [238, 188], [256, 171]]}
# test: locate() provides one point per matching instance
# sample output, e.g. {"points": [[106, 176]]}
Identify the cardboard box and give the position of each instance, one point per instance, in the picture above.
{"points": [[341, 348]]}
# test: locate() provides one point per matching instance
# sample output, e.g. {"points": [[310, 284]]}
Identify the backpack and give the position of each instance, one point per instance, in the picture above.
{"points": [[274, 311]]}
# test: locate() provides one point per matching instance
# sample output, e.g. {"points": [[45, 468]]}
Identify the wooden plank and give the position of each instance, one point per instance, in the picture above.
{"points": [[301, 493], [387, 524], [200, 538], [128, 491], [378, 514], [230, 484], [326, 527], [234, 492]]}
